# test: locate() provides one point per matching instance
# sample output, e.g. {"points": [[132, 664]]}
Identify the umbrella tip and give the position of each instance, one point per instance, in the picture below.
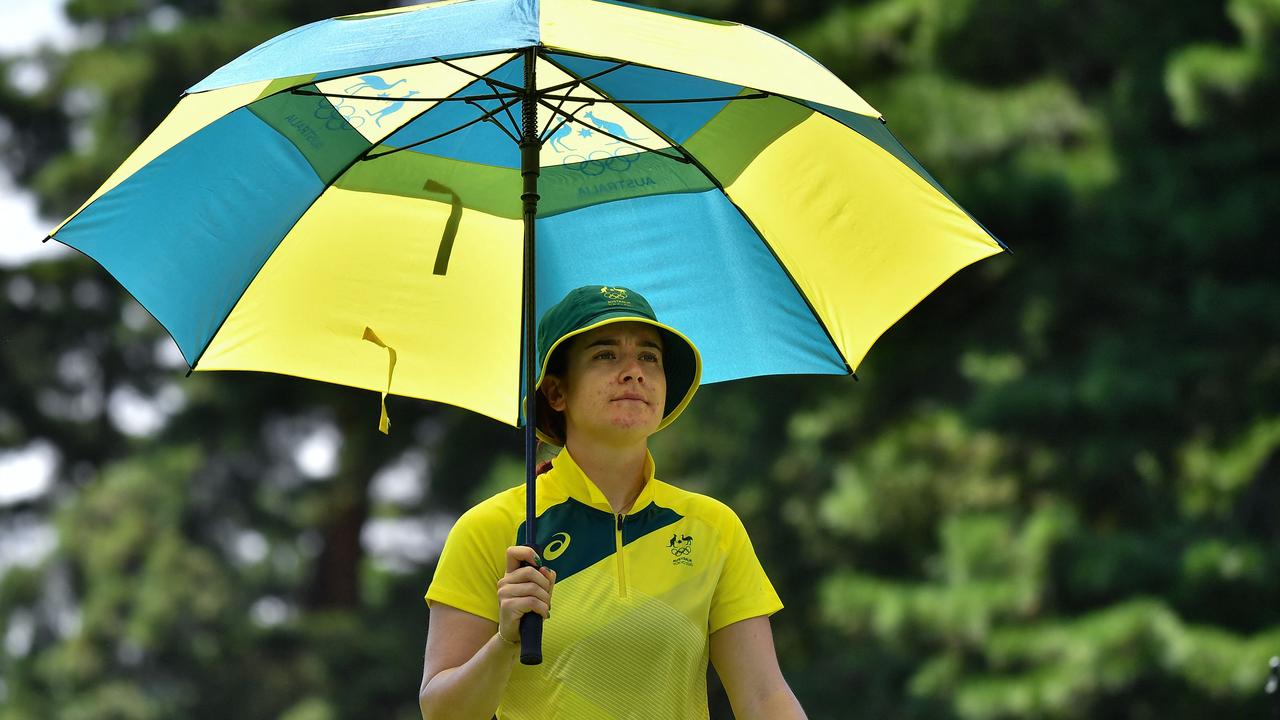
{"points": [[47, 238]]}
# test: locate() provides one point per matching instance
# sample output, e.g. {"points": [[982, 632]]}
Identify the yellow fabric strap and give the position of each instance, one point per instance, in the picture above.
{"points": [[384, 422]]}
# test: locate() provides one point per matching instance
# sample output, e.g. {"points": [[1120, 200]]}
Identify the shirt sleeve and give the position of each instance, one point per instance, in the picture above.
{"points": [[743, 591], [472, 562]]}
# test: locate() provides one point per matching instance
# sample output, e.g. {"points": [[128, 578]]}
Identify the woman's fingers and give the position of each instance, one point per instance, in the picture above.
{"points": [[531, 605], [536, 576], [519, 590], [519, 554], [525, 588], [516, 606]]}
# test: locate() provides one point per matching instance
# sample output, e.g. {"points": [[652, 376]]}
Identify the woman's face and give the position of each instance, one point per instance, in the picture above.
{"points": [[615, 387]]}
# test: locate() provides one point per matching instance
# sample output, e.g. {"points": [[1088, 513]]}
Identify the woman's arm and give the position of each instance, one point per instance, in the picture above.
{"points": [[466, 665], [747, 664], [468, 661]]}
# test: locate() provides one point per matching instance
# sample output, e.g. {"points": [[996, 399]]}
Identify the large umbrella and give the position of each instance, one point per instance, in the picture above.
{"points": [[347, 201]]}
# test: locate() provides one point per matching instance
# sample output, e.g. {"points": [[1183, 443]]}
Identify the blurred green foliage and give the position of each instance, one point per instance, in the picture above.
{"points": [[1052, 494]]}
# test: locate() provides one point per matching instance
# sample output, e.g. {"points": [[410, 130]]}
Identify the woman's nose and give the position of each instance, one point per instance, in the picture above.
{"points": [[633, 370]]}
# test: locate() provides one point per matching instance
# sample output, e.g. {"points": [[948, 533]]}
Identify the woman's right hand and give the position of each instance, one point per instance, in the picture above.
{"points": [[523, 589]]}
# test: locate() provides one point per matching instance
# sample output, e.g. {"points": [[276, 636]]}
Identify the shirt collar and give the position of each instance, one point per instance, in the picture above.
{"points": [[565, 471]]}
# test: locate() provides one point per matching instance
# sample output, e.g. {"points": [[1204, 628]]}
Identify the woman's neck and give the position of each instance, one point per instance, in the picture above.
{"points": [[618, 472]]}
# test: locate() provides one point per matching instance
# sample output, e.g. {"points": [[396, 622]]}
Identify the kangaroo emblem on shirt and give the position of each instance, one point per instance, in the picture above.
{"points": [[681, 546]]}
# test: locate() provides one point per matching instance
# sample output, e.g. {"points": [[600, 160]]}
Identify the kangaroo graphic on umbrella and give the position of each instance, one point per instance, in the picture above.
{"points": [[611, 128], [557, 138], [372, 81], [391, 109]]}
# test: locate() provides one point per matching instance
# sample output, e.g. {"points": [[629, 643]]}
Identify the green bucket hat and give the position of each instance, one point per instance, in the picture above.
{"points": [[592, 306]]}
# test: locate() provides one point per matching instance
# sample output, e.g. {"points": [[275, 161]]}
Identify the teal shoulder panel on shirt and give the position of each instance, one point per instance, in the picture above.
{"points": [[572, 536], [651, 519]]}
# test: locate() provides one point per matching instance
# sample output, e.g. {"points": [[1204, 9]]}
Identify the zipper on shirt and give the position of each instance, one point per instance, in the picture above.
{"points": [[622, 567]]}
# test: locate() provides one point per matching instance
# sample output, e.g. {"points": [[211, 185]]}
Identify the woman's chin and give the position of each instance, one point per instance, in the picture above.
{"points": [[632, 425]]}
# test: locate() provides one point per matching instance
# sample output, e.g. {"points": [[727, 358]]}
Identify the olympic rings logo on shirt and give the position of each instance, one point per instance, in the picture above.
{"points": [[681, 546]]}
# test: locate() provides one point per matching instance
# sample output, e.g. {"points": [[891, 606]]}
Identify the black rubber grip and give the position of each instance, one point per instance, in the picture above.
{"points": [[531, 638]]}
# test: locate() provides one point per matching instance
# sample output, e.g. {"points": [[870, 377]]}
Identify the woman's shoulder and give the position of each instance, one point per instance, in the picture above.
{"points": [[501, 508], [687, 502]]}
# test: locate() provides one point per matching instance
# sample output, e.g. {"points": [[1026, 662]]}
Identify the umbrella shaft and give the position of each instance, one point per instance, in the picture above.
{"points": [[530, 623], [529, 151]]}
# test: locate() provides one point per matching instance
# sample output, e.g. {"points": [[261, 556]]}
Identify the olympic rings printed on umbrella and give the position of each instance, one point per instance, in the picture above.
{"points": [[616, 161], [336, 116]]}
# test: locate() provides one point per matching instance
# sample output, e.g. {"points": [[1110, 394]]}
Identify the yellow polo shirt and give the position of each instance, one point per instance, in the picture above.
{"points": [[637, 595]]}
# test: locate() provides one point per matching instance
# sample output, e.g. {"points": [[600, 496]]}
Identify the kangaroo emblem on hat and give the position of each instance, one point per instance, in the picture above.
{"points": [[614, 293]]}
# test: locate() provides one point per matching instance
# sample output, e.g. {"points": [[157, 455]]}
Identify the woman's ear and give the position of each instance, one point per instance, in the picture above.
{"points": [[553, 389]]}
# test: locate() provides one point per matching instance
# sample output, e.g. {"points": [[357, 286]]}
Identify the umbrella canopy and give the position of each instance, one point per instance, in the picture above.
{"points": [[343, 203]]}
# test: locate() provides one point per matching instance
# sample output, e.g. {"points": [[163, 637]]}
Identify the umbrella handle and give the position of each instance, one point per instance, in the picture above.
{"points": [[530, 636]]}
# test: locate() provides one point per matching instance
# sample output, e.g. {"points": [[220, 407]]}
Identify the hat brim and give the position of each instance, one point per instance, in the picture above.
{"points": [[682, 364]]}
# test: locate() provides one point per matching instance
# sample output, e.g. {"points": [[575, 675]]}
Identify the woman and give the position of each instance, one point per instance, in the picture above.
{"points": [[650, 580]]}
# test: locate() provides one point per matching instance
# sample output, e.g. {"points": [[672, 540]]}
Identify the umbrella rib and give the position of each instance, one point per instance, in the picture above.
{"points": [[682, 158], [563, 98], [490, 82], [400, 66], [685, 157], [612, 101], [564, 120], [577, 81], [546, 131], [451, 98], [506, 86], [490, 117], [482, 118]]}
